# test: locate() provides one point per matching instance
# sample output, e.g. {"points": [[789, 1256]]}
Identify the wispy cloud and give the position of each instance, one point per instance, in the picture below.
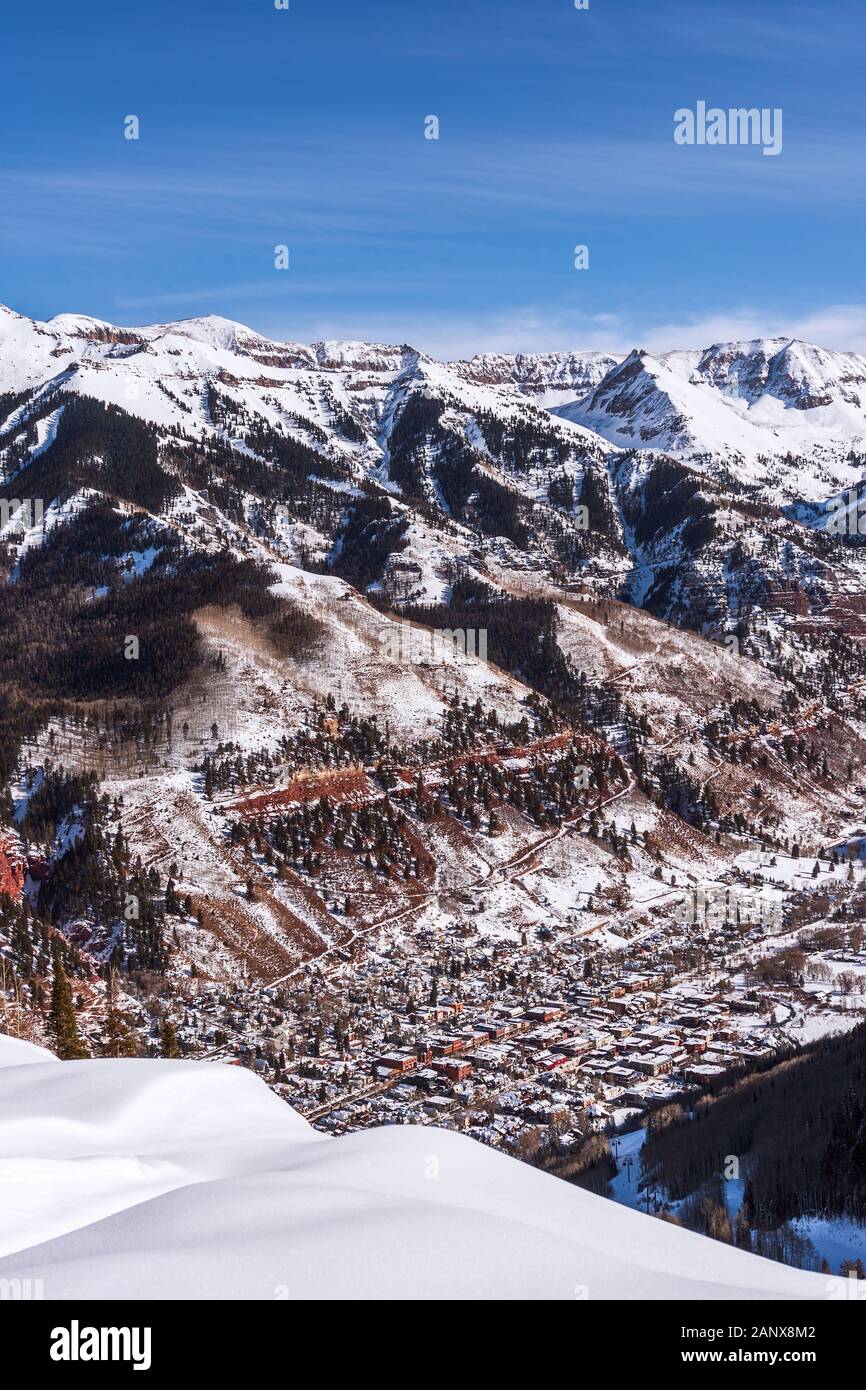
{"points": [[280, 287], [450, 338], [838, 326], [841, 327], [369, 183], [799, 28]]}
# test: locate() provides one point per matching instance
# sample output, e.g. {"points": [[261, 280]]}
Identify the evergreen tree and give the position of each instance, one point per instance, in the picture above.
{"points": [[61, 1019], [168, 1044], [118, 1040]]}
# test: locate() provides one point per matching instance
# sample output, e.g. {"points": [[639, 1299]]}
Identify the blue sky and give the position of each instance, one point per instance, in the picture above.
{"points": [[306, 128]]}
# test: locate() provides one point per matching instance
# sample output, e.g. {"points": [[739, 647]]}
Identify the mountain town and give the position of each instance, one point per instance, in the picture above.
{"points": [[402, 733]]}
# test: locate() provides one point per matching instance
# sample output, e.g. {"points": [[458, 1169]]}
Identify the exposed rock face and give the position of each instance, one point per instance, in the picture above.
{"points": [[12, 865], [571, 373]]}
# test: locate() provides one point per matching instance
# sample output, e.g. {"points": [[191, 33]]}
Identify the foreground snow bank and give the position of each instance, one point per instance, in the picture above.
{"points": [[143, 1179], [14, 1052]]}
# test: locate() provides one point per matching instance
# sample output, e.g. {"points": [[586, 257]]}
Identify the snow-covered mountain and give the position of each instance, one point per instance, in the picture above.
{"points": [[633, 474], [745, 403], [265, 519], [737, 401], [172, 1180], [159, 372], [550, 378]]}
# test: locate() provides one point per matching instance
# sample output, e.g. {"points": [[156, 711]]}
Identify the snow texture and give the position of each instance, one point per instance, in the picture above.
{"points": [[176, 1180]]}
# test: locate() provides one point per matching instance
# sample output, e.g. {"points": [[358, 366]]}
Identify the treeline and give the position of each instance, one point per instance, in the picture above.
{"points": [[522, 639], [30, 942], [340, 738], [100, 447], [374, 530], [672, 495], [387, 834], [425, 454], [528, 441], [73, 629], [90, 877], [59, 641], [100, 900], [55, 795]]}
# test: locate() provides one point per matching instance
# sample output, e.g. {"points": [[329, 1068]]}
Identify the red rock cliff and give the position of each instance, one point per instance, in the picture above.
{"points": [[12, 868]]}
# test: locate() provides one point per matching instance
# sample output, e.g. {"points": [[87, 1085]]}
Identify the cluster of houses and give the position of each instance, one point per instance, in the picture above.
{"points": [[493, 1037], [594, 1052]]}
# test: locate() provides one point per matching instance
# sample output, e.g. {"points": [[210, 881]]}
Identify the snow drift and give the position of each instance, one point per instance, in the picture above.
{"points": [[153, 1179]]}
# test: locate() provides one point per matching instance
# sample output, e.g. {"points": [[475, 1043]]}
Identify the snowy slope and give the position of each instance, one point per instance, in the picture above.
{"points": [[160, 372], [743, 403], [186, 1180], [748, 400], [648, 403], [14, 1052], [485, 446]]}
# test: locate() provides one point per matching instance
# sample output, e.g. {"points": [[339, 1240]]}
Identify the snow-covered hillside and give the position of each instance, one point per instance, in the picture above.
{"points": [[176, 1180], [748, 402], [753, 400]]}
